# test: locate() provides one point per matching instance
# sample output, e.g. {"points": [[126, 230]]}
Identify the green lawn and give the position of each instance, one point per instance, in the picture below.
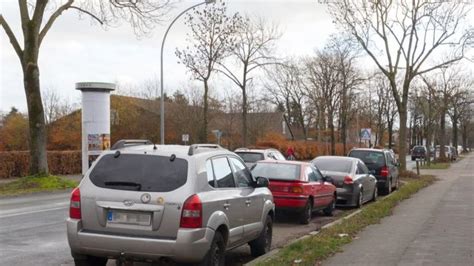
{"points": [[314, 249], [31, 184], [435, 166]]}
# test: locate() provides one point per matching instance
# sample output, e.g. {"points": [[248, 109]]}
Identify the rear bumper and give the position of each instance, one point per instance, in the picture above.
{"points": [[191, 245], [290, 202], [346, 197]]}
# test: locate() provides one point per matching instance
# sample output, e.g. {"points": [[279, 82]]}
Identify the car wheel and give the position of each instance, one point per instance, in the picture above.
{"points": [[305, 216], [328, 211], [360, 198], [375, 194], [388, 189], [263, 243], [80, 260], [412, 158], [216, 254]]}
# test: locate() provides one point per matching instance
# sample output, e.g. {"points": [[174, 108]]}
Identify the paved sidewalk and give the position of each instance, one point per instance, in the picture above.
{"points": [[434, 227]]}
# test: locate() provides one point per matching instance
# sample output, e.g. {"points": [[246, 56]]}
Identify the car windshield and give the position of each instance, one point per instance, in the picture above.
{"points": [[370, 158], [140, 172], [418, 149], [250, 157], [333, 165], [277, 171]]}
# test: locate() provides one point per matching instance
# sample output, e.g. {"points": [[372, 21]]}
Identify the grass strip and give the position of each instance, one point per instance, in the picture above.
{"points": [[310, 251], [435, 166], [31, 184]]}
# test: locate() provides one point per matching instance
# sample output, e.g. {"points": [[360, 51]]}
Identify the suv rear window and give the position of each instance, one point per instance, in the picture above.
{"points": [[418, 149], [140, 172], [250, 157], [370, 158], [277, 171]]}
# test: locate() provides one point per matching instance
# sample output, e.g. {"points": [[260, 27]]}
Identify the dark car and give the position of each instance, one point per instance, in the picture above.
{"points": [[382, 165], [418, 152], [354, 184], [298, 187]]}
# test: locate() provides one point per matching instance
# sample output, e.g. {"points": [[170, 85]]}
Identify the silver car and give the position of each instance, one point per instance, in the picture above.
{"points": [[169, 202]]}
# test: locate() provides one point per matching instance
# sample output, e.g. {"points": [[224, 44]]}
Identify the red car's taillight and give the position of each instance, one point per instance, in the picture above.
{"points": [[348, 180], [384, 171], [75, 206], [191, 217], [296, 189]]}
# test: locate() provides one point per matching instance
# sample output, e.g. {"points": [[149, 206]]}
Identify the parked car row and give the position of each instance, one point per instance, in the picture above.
{"points": [[144, 202], [421, 152]]}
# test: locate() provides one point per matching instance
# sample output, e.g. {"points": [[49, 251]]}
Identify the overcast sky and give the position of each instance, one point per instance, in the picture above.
{"points": [[76, 51]]}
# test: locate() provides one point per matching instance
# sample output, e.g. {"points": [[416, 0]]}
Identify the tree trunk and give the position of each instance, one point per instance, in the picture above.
{"points": [[455, 128], [402, 141], [333, 135], [442, 135], [244, 116], [390, 134], [31, 82], [203, 131]]}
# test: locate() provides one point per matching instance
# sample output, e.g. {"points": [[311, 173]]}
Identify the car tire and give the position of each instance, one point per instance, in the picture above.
{"points": [[83, 260], [216, 254], [328, 211], [263, 243], [360, 198], [375, 194], [412, 158], [305, 216]]}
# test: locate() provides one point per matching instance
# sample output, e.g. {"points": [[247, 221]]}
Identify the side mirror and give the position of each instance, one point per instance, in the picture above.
{"points": [[328, 179], [262, 182]]}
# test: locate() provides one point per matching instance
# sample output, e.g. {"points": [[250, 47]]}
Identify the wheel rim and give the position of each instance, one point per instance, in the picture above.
{"points": [[361, 195], [389, 186], [376, 192]]}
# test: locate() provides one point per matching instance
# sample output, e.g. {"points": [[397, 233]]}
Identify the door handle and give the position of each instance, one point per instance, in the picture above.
{"points": [[247, 202], [226, 205]]}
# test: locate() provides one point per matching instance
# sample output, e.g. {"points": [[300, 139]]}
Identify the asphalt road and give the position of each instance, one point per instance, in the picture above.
{"points": [[33, 231]]}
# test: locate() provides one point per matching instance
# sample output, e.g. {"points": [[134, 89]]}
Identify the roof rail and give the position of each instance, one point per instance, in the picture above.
{"points": [[130, 142], [193, 149]]}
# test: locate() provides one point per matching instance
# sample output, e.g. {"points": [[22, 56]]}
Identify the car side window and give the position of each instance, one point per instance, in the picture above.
{"points": [[223, 173], [360, 169], [210, 174], [364, 168], [317, 175], [241, 173], [389, 159]]}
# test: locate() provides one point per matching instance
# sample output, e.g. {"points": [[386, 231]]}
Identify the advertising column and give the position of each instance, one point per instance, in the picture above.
{"points": [[95, 120]]}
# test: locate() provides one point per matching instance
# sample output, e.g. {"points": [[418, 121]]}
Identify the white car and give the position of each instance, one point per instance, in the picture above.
{"points": [[251, 156]]}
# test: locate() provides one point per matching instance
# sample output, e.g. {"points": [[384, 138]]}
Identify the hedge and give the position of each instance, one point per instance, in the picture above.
{"points": [[305, 150], [16, 163]]}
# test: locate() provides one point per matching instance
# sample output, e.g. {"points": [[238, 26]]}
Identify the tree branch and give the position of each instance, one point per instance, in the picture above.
{"points": [[11, 37], [52, 19]]}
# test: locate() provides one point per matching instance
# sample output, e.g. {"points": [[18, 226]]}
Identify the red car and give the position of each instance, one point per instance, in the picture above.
{"points": [[298, 187]]}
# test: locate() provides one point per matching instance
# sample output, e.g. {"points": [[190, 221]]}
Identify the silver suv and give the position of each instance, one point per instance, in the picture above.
{"points": [[251, 156], [143, 202]]}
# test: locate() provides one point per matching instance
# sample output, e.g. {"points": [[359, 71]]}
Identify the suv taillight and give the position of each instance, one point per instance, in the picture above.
{"points": [[191, 217], [75, 206], [384, 171], [348, 180]]}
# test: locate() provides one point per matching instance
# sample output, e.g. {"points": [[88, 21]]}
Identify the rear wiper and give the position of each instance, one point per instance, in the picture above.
{"points": [[124, 184]]}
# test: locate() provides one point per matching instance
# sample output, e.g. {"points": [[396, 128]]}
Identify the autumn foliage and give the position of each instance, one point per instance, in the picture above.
{"points": [[305, 150], [16, 163]]}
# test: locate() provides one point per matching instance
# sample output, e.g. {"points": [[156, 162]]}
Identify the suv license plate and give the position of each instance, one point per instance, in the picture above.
{"points": [[121, 217]]}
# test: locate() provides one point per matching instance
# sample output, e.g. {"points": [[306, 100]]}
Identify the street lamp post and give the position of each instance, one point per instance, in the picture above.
{"points": [[162, 101]]}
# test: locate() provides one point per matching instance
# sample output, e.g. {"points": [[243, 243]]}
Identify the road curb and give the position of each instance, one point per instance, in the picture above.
{"points": [[312, 233]]}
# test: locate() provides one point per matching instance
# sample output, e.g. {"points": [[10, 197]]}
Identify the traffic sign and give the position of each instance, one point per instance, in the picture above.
{"points": [[365, 134]]}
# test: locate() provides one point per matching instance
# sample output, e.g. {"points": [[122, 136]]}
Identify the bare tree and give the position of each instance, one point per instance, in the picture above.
{"points": [[36, 21], [254, 46], [212, 38], [285, 86], [408, 34], [54, 105]]}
